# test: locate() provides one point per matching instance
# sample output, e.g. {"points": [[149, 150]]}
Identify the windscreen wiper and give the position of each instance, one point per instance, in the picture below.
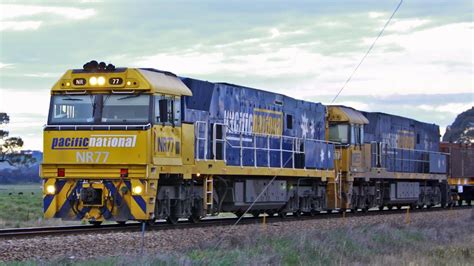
{"points": [[129, 96], [72, 99]]}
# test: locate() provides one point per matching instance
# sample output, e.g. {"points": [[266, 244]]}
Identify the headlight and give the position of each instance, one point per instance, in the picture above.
{"points": [[101, 81], [93, 81], [137, 190], [50, 189]]}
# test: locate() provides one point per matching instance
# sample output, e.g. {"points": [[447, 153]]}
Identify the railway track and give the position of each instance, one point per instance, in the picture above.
{"points": [[207, 222]]}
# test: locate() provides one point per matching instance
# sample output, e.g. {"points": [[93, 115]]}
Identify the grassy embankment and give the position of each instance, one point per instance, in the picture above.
{"points": [[22, 206], [447, 241]]}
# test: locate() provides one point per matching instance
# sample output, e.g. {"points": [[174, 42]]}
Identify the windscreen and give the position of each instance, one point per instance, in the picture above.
{"points": [[99, 109], [125, 108], [71, 109], [339, 133]]}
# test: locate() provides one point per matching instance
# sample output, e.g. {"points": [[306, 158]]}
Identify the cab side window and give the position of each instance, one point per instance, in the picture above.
{"points": [[357, 134], [177, 111], [167, 110]]}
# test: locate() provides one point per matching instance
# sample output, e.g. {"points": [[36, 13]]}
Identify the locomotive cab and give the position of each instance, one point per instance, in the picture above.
{"points": [[108, 130], [346, 126]]}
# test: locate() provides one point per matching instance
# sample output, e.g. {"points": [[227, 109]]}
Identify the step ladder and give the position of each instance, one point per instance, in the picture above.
{"points": [[208, 194]]}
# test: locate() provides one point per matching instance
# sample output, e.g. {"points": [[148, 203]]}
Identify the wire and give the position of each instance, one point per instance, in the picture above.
{"points": [[251, 205], [368, 51]]}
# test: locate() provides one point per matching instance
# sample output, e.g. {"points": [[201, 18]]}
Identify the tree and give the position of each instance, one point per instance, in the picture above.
{"points": [[10, 148], [4, 119]]}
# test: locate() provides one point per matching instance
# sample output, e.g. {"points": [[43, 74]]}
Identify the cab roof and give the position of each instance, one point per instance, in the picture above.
{"points": [[340, 113], [148, 80]]}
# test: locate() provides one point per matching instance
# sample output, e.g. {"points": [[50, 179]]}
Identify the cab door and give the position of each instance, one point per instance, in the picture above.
{"points": [[167, 131]]}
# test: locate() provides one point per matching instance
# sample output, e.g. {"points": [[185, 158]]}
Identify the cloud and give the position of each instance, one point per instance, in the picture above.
{"points": [[3, 65], [15, 101], [453, 108], [303, 72], [19, 25], [43, 75], [20, 11], [28, 126], [28, 111], [357, 105], [15, 17], [377, 14], [405, 25]]}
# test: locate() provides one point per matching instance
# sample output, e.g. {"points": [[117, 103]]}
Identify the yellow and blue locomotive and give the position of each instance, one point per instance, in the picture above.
{"points": [[142, 144]]}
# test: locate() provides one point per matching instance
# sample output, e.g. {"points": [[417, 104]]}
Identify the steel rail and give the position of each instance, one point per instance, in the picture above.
{"points": [[206, 222]]}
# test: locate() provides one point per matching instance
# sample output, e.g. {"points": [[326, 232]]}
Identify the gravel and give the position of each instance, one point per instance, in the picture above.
{"points": [[84, 246]]}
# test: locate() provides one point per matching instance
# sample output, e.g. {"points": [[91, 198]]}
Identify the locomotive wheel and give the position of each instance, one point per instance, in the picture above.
{"points": [[270, 213], [172, 219], [193, 218], [365, 209], [121, 222], [282, 214], [381, 208], [95, 223], [255, 213], [297, 213], [150, 222]]}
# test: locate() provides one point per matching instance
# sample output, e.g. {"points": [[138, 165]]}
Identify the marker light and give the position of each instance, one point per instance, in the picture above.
{"points": [[93, 81], [101, 81], [129, 83], [137, 190], [68, 84], [61, 172], [124, 172], [50, 189]]}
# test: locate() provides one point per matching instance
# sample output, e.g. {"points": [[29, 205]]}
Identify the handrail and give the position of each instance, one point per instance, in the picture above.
{"points": [[391, 154], [405, 149], [92, 126], [295, 144], [198, 139]]}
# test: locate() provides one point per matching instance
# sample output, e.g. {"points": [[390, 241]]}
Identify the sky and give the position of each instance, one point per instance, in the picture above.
{"points": [[421, 67]]}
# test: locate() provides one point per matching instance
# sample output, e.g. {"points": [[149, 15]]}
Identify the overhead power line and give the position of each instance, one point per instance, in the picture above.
{"points": [[368, 51]]}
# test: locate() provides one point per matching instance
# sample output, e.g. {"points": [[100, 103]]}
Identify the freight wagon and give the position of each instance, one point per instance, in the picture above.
{"points": [[461, 170]]}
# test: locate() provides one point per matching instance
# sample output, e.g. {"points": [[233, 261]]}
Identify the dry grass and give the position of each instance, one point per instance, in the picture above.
{"points": [[430, 242]]}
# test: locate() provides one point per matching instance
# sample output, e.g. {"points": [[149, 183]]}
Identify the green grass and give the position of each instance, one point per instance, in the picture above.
{"points": [[20, 205]]}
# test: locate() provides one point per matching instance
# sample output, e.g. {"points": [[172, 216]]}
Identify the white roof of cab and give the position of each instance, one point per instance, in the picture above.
{"points": [[165, 83]]}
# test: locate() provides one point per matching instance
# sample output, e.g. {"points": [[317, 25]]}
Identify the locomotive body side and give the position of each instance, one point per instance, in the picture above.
{"points": [[390, 161], [245, 138]]}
